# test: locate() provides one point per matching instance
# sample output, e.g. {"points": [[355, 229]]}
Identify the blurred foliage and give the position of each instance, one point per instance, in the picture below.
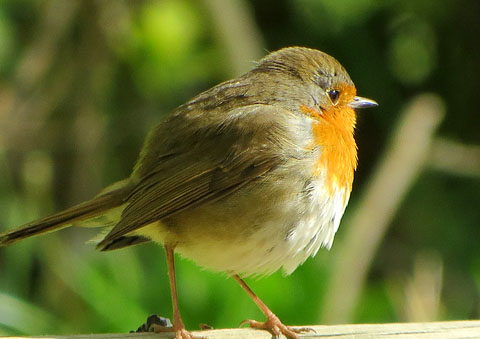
{"points": [[81, 82]]}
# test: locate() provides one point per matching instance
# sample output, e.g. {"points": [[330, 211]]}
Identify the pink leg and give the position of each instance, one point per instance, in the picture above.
{"points": [[178, 326], [273, 323]]}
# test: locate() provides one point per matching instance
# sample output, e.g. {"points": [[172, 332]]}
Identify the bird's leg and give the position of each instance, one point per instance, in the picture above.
{"points": [[178, 326], [273, 323]]}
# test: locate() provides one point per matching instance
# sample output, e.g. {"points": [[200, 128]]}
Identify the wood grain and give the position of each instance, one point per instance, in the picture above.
{"points": [[447, 329]]}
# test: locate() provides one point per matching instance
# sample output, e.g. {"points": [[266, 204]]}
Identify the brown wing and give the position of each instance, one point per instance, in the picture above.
{"points": [[200, 165]]}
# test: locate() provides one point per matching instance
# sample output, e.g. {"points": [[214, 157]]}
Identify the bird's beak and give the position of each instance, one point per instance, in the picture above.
{"points": [[360, 102]]}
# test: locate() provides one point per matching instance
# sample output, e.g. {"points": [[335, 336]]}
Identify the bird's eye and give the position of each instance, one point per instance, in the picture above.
{"points": [[334, 95]]}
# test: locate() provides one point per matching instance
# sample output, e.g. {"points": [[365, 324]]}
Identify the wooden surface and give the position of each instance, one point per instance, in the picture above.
{"points": [[448, 329]]}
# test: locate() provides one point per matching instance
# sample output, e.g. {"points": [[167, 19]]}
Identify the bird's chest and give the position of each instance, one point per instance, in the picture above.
{"points": [[284, 217], [311, 220], [262, 230]]}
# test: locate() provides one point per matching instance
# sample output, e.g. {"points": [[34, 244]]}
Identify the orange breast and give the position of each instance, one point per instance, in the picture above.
{"points": [[333, 132]]}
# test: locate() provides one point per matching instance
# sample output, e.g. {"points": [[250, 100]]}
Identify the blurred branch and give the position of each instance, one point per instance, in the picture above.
{"points": [[95, 75], [455, 158], [22, 315], [115, 20], [402, 163], [423, 290], [22, 124], [238, 32], [55, 21], [22, 110], [417, 297]]}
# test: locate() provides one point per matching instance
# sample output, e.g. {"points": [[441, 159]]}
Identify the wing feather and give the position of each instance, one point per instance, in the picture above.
{"points": [[215, 166]]}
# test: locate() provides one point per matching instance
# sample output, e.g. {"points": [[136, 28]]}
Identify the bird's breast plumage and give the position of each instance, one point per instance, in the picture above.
{"points": [[275, 222], [258, 232]]}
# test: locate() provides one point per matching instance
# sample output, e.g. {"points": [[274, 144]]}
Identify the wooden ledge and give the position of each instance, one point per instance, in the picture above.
{"points": [[446, 329]]}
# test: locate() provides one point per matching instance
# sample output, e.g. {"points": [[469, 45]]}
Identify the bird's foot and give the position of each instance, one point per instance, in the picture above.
{"points": [[158, 324], [277, 328], [180, 333]]}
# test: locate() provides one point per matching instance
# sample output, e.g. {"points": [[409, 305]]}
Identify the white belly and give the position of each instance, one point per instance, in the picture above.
{"points": [[282, 235]]}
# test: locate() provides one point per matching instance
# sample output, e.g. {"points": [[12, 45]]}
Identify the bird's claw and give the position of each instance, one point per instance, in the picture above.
{"points": [[277, 328], [180, 333], [158, 324]]}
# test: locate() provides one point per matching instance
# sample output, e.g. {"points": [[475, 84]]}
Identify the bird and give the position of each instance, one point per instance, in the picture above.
{"points": [[249, 177]]}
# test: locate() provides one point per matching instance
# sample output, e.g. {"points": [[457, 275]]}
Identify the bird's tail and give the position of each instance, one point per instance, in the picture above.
{"points": [[113, 197]]}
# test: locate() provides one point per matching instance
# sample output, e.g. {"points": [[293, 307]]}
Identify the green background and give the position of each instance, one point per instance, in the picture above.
{"points": [[81, 83]]}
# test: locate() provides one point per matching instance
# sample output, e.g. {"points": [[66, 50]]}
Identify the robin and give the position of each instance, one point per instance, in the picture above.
{"points": [[248, 177]]}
